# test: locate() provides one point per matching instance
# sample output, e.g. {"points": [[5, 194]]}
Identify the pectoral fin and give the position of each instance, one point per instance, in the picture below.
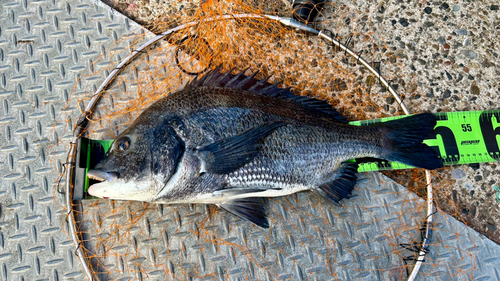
{"points": [[251, 209], [343, 184], [230, 154]]}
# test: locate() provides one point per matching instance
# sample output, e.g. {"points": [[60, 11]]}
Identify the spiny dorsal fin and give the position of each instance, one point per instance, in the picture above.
{"points": [[215, 78]]}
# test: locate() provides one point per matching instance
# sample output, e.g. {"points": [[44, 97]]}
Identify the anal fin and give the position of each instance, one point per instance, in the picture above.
{"points": [[251, 209], [343, 184]]}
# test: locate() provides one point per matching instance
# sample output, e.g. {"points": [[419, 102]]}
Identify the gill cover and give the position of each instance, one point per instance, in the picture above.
{"points": [[140, 162], [167, 149]]}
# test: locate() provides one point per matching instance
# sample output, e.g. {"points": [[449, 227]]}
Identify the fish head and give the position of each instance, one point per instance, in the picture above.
{"points": [[139, 163]]}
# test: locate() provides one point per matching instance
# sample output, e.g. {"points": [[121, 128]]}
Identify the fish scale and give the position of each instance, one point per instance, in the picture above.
{"points": [[230, 145], [280, 140]]}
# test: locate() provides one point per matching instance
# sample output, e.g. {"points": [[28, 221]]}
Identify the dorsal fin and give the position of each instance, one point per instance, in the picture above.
{"points": [[215, 78]]}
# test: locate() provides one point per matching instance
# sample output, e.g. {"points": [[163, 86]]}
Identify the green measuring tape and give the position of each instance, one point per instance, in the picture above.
{"points": [[465, 137], [89, 153], [459, 138]]}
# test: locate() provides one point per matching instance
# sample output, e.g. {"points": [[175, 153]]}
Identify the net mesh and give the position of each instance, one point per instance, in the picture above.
{"points": [[377, 232]]}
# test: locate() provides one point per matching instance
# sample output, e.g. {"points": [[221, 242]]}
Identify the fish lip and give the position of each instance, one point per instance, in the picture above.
{"points": [[101, 176], [112, 186]]}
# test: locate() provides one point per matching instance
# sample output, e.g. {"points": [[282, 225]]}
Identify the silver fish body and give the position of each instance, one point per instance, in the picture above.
{"points": [[231, 139]]}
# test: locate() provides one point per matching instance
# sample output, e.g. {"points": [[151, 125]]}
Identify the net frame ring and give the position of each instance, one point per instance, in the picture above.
{"points": [[85, 116]]}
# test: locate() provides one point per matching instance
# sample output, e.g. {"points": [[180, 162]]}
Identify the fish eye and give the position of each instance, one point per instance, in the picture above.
{"points": [[122, 144]]}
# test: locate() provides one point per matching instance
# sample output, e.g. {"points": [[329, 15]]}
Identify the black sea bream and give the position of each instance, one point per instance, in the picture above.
{"points": [[231, 139]]}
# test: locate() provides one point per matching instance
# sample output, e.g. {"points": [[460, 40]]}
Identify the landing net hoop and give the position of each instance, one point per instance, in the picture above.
{"points": [[86, 116]]}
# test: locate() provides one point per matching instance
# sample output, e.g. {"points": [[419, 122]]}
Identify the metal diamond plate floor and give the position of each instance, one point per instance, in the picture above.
{"points": [[44, 46]]}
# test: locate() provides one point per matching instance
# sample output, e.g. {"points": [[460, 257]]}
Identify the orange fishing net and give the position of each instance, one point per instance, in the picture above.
{"points": [[377, 233]]}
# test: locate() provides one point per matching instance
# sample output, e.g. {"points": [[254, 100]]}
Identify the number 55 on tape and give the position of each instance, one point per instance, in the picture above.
{"points": [[459, 138]]}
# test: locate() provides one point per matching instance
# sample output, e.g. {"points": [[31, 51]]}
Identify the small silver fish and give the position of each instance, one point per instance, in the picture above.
{"points": [[231, 139]]}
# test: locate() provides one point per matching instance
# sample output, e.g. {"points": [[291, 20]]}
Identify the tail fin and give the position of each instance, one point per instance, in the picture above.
{"points": [[403, 141]]}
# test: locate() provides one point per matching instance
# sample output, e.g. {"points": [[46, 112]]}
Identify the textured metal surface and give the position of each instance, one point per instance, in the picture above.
{"points": [[44, 47], [300, 244]]}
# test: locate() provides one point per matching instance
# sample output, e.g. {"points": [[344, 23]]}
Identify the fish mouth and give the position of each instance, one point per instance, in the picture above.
{"points": [[109, 185], [101, 177]]}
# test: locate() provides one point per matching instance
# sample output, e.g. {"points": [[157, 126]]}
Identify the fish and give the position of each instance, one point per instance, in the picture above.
{"points": [[232, 140]]}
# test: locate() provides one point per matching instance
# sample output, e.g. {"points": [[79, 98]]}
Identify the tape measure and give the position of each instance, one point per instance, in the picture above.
{"points": [[459, 138], [89, 153], [465, 137]]}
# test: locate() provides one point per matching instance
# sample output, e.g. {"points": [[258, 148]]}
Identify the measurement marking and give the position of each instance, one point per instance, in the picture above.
{"points": [[459, 138]]}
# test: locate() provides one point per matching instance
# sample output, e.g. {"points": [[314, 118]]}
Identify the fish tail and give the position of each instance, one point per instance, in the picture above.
{"points": [[403, 141]]}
